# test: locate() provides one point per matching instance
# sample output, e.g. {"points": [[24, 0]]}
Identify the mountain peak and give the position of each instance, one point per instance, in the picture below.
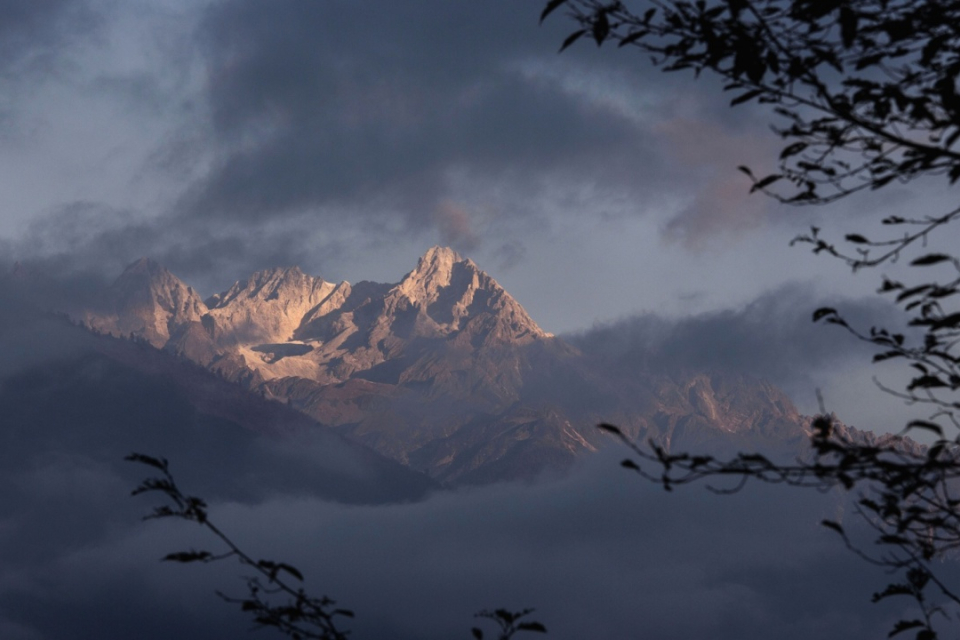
{"points": [[444, 371], [280, 273], [454, 293], [269, 284], [146, 277], [434, 271], [269, 305], [150, 302], [437, 254]]}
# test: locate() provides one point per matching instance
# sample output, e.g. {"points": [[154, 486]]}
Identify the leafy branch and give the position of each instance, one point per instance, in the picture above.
{"points": [[275, 597], [509, 623], [865, 91], [906, 494]]}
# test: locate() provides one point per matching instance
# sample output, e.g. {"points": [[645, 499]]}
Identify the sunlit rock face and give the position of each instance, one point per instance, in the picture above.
{"points": [[148, 302], [443, 371], [268, 307]]}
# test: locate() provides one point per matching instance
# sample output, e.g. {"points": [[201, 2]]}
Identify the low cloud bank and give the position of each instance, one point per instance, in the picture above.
{"points": [[598, 554], [772, 338]]}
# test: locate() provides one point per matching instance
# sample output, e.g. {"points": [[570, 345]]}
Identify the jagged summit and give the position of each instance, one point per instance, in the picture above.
{"points": [[433, 272], [453, 294], [147, 274], [269, 284], [438, 253], [438, 261], [148, 302], [345, 329], [267, 307]]}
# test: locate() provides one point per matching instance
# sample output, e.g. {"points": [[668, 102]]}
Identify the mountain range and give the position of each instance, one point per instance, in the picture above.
{"points": [[443, 371]]}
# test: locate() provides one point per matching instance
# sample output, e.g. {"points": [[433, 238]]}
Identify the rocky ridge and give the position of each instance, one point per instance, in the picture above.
{"points": [[443, 371], [149, 302]]}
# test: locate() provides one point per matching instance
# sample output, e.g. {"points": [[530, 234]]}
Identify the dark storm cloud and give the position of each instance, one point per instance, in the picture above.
{"points": [[772, 338], [90, 240], [329, 120], [322, 105], [317, 123]]}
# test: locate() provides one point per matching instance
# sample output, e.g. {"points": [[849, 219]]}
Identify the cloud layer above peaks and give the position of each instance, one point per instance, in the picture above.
{"points": [[227, 134]]}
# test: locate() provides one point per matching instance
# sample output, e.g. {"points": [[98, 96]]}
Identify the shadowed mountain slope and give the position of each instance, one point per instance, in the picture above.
{"points": [[111, 397]]}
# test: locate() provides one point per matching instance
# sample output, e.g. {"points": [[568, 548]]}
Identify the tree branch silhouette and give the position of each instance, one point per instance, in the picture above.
{"points": [[865, 94], [275, 595]]}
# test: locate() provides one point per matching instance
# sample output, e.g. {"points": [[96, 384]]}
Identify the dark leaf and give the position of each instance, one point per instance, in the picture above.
{"points": [[744, 97], [632, 37], [550, 8], [159, 463], [793, 149], [830, 524], [188, 556], [930, 258], [892, 590], [532, 626], [603, 426], [856, 238], [950, 142], [765, 182], [904, 625], [573, 37], [931, 49], [601, 28], [848, 25], [291, 570], [477, 633], [949, 322], [822, 312], [928, 426], [882, 182], [955, 171], [926, 382], [736, 6], [869, 61], [909, 293], [880, 357]]}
